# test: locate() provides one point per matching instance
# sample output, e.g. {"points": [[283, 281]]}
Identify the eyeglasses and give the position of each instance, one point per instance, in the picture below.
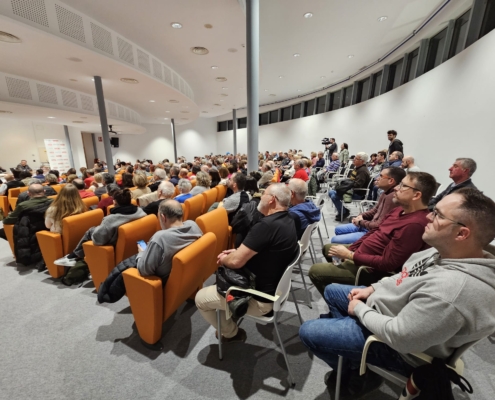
{"points": [[402, 185], [383, 176], [436, 213], [268, 194]]}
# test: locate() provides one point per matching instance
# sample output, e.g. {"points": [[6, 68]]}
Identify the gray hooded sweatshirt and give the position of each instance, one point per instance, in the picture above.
{"points": [[107, 232], [157, 258], [433, 306]]}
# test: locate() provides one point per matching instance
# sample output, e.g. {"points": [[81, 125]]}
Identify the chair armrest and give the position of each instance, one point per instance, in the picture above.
{"points": [[100, 260], [4, 204], [356, 283], [51, 249], [145, 295], [250, 291]]}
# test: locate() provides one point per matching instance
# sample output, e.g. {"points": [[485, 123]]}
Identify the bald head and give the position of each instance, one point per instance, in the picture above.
{"points": [[9, 177], [170, 213], [36, 190]]}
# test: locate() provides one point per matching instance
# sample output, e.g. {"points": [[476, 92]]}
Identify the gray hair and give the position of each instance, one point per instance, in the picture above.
{"points": [[299, 187], [468, 163], [174, 170], [171, 209], [160, 173], [184, 185], [112, 188], [34, 181], [36, 189], [51, 178], [400, 156], [167, 189], [363, 156], [301, 163], [281, 193]]}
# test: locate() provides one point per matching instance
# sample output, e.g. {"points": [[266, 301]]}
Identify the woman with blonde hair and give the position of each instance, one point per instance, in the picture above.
{"points": [[203, 182], [140, 181], [97, 183], [68, 202]]}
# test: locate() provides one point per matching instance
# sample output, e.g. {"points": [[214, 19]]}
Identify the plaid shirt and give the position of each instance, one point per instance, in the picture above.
{"points": [[333, 166]]}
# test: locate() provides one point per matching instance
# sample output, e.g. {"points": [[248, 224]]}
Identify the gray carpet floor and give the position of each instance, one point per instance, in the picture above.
{"points": [[57, 342]]}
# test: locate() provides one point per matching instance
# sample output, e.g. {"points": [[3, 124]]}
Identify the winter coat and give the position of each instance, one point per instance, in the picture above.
{"points": [[113, 288], [304, 214]]}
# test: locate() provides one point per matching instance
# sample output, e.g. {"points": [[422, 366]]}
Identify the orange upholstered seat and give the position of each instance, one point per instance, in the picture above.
{"points": [[210, 197], [57, 188], [14, 194], [193, 183], [222, 191], [216, 222], [194, 207], [55, 245], [90, 201], [102, 259], [152, 304], [4, 205]]}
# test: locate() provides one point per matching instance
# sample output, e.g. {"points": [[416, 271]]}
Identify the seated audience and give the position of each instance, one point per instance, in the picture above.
{"points": [[332, 167], [303, 212], [23, 166], [436, 304], [107, 179], [300, 170], [165, 191], [183, 173], [224, 175], [194, 170], [97, 183], [90, 177], [79, 184], [184, 187], [10, 183], [460, 172], [140, 181], [203, 183], [51, 179], [320, 162], [381, 158], [394, 160], [126, 182], [67, 203], [215, 178], [267, 175], [25, 177], [174, 175], [158, 176], [49, 191], [39, 175], [268, 249], [408, 164], [384, 249], [107, 232], [388, 179], [361, 177]]}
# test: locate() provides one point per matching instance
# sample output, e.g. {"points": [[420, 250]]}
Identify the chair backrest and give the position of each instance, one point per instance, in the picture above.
{"points": [[222, 191], [130, 233], [193, 182], [57, 188], [146, 199], [283, 287], [14, 192], [177, 191], [194, 207], [75, 226], [118, 177], [90, 201], [216, 222], [104, 196], [210, 196], [187, 272], [306, 237], [320, 202]]}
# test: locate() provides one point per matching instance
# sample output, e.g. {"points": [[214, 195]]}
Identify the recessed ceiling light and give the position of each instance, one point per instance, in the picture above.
{"points": [[322, 77], [232, 50], [266, 90], [308, 15], [297, 55], [281, 76], [176, 25], [167, 111], [208, 26], [273, 95], [199, 51], [222, 100], [298, 90], [350, 56], [51, 117], [129, 80], [173, 101], [152, 101], [93, 79], [75, 59], [165, 118], [9, 38], [224, 88], [221, 79], [381, 19], [73, 80], [5, 112], [214, 67]]}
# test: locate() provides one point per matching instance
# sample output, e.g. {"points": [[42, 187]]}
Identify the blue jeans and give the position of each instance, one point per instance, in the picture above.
{"points": [[343, 335], [337, 200], [348, 233]]}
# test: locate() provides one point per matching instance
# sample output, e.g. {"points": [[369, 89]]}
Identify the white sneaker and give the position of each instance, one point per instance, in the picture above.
{"points": [[65, 262]]}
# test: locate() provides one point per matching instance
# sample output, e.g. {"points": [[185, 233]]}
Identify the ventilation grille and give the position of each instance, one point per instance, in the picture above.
{"points": [[143, 61], [69, 98], [113, 109], [70, 24], [102, 39], [121, 112], [87, 103], [33, 10], [182, 86], [168, 75], [127, 114], [176, 81], [125, 51], [18, 88], [46, 94], [157, 69]]}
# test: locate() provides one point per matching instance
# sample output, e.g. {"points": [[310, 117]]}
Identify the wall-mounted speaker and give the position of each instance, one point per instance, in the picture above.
{"points": [[114, 141]]}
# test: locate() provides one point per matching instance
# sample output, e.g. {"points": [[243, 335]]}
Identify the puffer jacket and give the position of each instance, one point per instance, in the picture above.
{"points": [[32, 220], [113, 289]]}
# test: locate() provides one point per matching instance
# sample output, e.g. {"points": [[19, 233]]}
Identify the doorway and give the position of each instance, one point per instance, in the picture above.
{"points": [[89, 148]]}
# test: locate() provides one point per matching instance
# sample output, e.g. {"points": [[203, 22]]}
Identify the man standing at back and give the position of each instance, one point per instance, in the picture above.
{"points": [[395, 144], [460, 172], [333, 147], [268, 249]]}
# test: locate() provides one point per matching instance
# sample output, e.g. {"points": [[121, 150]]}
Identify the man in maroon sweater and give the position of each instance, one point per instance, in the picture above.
{"points": [[387, 180], [385, 248]]}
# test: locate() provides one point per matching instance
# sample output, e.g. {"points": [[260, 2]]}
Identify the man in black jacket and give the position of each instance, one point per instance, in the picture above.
{"points": [[158, 176], [333, 148], [460, 172], [10, 183], [395, 144]]}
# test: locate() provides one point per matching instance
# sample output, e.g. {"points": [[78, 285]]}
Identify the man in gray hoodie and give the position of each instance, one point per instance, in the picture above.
{"points": [[442, 299]]}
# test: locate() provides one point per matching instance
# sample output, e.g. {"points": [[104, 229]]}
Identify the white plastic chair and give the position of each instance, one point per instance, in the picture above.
{"points": [[306, 243], [454, 362], [320, 203], [356, 202], [281, 295]]}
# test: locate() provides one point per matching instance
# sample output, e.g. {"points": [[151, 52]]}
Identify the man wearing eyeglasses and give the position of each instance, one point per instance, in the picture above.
{"points": [[460, 172], [386, 248], [441, 300]]}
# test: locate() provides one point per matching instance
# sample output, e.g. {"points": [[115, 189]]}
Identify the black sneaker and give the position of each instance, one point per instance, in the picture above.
{"points": [[364, 384], [40, 266], [239, 337], [331, 382]]}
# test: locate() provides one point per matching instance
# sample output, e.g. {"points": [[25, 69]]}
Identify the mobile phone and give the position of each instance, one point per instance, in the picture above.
{"points": [[142, 244]]}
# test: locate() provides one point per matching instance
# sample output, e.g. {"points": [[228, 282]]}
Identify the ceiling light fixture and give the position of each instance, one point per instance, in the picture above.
{"points": [[5, 112], [381, 19], [281, 76], [199, 51], [9, 38], [129, 80], [221, 79], [167, 111], [208, 26], [93, 79], [51, 117], [214, 67], [152, 101], [176, 25], [308, 15], [266, 90], [224, 88], [297, 55], [350, 56]]}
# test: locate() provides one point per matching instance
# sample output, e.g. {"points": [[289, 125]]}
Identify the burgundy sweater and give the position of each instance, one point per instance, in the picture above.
{"points": [[374, 217], [387, 248]]}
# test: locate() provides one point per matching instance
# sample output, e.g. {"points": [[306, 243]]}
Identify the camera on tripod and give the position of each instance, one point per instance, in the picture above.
{"points": [[325, 141]]}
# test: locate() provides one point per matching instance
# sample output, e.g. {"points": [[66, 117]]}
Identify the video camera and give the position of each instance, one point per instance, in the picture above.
{"points": [[325, 141]]}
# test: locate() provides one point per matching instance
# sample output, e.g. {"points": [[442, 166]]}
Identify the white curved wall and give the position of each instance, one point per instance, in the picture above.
{"points": [[448, 112]]}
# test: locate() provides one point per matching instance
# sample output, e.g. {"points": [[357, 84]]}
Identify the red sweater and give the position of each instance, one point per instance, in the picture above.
{"points": [[374, 217], [389, 246], [301, 174]]}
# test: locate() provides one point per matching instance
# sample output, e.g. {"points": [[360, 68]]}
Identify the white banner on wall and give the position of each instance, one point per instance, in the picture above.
{"points": [[58, 155]]}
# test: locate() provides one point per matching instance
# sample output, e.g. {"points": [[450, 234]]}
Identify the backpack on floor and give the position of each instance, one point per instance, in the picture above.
{"points": [[76, 274]]}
